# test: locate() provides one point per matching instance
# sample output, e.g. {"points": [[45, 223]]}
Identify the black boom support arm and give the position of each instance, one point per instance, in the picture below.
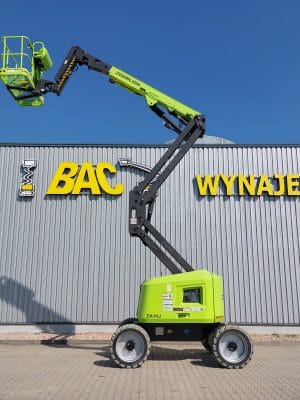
{"points": [[142, 197]]}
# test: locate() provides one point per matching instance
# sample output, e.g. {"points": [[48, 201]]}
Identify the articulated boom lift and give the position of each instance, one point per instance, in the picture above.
{"points": [[186, 305]]}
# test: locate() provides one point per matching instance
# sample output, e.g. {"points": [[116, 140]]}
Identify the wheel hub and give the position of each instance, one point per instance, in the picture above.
{"points": [[130, 345], [232, 346]]}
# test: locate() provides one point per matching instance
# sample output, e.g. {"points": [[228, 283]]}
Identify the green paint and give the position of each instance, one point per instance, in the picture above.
{"points": [[23, 64], [152, 95], [163, 300]]}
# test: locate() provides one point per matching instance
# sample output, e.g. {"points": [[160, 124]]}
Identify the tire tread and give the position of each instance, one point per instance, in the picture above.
{"points": [[217, 333], [114, 356]]}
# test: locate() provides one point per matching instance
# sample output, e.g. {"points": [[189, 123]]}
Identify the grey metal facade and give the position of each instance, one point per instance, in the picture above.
{"points": [[71, 259]]}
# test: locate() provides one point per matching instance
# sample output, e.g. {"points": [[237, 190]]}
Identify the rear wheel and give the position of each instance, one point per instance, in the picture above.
{"points": [[129, 346], [232, 347]]}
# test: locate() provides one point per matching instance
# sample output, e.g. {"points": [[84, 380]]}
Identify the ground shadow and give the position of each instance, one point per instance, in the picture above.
{"points": [[105, 363], [199, 356], [22, 298], [60, 344]]}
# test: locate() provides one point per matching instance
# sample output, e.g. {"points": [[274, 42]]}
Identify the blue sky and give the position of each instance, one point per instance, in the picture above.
{"points": [[236, 61]]}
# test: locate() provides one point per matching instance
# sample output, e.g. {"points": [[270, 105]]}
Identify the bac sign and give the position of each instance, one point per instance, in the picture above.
{"points": [[70, 178]]}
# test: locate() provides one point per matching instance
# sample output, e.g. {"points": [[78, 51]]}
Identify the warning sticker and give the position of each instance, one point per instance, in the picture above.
{"points": [[168, 302], [167, 296], [168, 307]]}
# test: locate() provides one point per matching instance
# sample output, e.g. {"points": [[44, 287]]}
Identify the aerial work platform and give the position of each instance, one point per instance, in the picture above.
{"points": [[23, 64]]}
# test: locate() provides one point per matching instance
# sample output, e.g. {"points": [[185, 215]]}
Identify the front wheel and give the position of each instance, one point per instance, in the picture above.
{"points": [[207, 342], [232, 347], [129, 346], [206, 345]]}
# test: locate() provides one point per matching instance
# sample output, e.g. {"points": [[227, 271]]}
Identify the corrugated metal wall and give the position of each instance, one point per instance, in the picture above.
{"points": [[71, 259]]}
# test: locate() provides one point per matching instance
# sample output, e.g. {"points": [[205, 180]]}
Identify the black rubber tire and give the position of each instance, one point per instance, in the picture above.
{"points": [[128, 321], [206, 345], [242, 348], [136, 336], [207, 342]]}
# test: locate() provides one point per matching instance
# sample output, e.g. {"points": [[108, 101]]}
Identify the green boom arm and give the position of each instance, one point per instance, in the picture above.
{"points": [[28, 87], [153, 96]]}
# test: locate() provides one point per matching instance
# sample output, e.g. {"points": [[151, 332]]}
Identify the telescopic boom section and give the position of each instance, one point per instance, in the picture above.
{"points": [[75, 57], [190, 126], [154, 98]]}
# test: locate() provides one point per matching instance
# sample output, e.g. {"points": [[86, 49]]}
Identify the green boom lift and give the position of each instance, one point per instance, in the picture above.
{"points": [[183, 306]]}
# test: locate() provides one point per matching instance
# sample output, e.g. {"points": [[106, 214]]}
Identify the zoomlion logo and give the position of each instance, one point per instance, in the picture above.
{"points": [[27, 187]]}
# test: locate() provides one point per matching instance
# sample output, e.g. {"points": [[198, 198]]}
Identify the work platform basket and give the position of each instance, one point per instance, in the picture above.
{"points": [[23, 64]]}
